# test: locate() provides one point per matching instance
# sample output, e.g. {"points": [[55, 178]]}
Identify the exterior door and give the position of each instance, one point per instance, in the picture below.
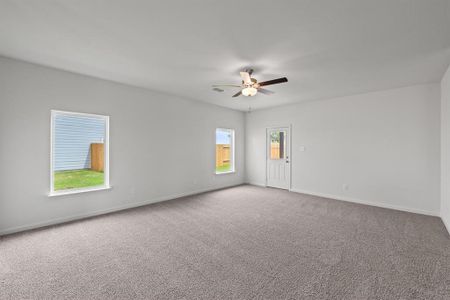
{"points": [[278, 166]]}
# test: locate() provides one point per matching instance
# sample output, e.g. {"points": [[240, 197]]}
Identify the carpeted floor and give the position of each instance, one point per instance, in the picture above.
{"points": [[240, 243]]}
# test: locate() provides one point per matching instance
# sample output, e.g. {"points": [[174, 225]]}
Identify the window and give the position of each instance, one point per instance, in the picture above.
{"points": [[224, 151], [79, 159], [277, 144]]}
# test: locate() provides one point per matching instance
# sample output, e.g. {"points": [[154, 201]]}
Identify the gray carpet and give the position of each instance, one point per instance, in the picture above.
{"points": [[240, 243]]}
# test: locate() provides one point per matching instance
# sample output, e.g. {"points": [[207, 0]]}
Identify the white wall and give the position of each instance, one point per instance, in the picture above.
{"points": [[384, 145], [445, 149], [161, 146]]}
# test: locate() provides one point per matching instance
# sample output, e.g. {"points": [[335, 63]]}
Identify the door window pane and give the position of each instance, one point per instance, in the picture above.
{"points": [[277, 144]]}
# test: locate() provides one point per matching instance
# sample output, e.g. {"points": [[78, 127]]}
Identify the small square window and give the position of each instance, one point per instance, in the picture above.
{"points": [[224, 151], [80, 152]]}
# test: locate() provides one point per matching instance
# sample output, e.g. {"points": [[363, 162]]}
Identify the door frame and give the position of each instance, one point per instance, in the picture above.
{"points": [[289, 127]]}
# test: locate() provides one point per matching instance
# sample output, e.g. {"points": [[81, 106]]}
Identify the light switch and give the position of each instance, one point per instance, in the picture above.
{"points": [[301, 148]]}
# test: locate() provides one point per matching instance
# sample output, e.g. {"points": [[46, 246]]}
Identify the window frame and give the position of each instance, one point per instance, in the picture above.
{"points": [[232, 152], [106, 183]]}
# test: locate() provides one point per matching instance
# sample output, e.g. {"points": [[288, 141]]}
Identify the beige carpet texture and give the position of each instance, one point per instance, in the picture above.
{"points": [[244, 242]]}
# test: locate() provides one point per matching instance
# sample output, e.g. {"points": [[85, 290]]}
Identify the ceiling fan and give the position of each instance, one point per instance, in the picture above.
{"points": [[250, 86]]}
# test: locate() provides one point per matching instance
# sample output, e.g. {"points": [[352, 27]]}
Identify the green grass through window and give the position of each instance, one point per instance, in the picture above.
{"points": [[74, 179], [224, 168]]}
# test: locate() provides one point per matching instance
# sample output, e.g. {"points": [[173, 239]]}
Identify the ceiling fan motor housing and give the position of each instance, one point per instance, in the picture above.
{"points": [[249, 71]]}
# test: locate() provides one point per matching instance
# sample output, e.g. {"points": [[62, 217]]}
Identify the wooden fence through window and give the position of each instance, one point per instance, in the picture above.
{"points": [[97, 157], [275, 150], [222, 154]]}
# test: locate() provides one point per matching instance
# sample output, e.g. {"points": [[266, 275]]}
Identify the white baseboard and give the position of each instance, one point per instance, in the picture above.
{"points": [[256, 183], [175, 196], [359, 201], [106, 211], [446, 223]]}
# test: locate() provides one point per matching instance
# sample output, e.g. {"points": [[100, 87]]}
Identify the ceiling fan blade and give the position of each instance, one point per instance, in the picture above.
{"points": [[226, 85], [237, 94], [273, 81], [217, 89], [246, 77], [265, 92]]}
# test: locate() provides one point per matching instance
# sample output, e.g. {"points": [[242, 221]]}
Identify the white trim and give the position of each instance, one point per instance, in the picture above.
{"points": [[224, 173], [106, 143], [359, 201], [261, 184], [109, 210], [78, 113], [78, 191], [106, 184], [446, 224], [290, 157], [52, 124]]}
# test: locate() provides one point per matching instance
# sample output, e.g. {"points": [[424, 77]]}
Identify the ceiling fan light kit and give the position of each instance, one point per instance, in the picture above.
{"points": [[250, 86], [249, 91]]}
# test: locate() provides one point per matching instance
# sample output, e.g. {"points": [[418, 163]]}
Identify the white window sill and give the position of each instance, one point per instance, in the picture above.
{"points": [[78, 191], [224, 173]]}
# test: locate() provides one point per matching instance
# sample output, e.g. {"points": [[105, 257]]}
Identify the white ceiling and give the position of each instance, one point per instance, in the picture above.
{"points": [[325, 48]]}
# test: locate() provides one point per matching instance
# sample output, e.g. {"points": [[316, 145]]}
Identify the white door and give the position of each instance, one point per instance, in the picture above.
{"points": [[278, 166]]}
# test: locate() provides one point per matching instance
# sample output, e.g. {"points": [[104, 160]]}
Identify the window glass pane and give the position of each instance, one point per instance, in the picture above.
{"points": [[224, 151], [277, 144], [78, 151]]}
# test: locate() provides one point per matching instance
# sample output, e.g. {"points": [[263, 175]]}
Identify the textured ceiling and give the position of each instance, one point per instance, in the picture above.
{"points": [[326, 48]]}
